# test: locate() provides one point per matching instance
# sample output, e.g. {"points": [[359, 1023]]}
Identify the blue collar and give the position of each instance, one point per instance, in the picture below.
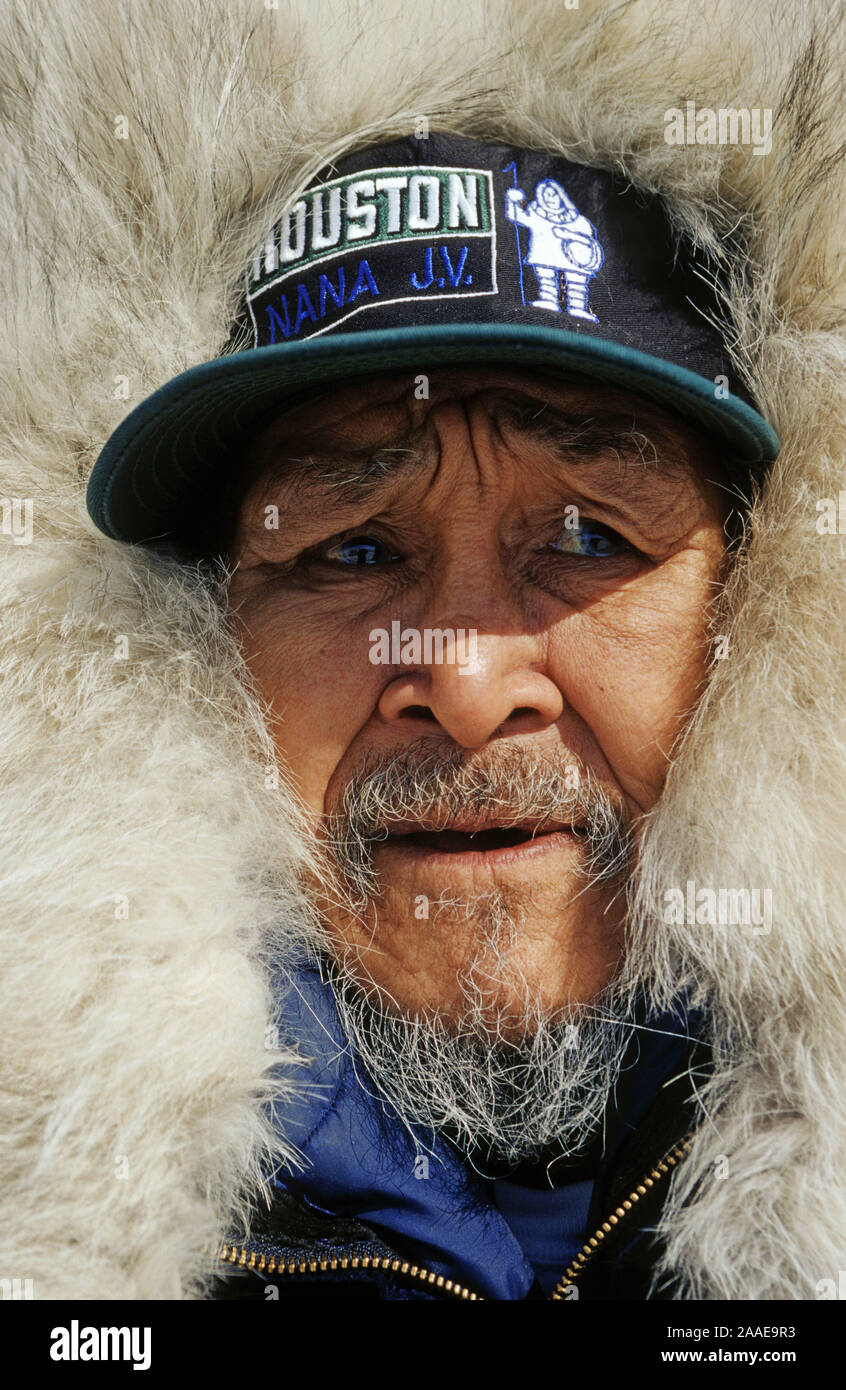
{"points": [[413, 1188]]}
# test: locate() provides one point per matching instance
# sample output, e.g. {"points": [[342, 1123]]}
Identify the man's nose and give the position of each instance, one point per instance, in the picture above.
{"points": [[499, 690]]}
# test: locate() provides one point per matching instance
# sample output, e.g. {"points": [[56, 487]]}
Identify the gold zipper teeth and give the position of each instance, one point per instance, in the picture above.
{"points": [[659, 1172], [246, 1259], [249, 1259]]}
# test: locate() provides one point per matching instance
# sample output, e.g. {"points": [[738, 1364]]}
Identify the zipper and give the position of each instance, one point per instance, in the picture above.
{"points": [[243, 1258], [657, 1174], [246, 1259]]}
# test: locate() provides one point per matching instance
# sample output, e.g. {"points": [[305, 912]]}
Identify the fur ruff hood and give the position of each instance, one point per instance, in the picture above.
{"points": [[143, 147]]}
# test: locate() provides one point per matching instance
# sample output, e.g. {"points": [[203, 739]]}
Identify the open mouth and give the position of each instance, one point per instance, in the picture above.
{"points": [[465, 841], [481, 841]]}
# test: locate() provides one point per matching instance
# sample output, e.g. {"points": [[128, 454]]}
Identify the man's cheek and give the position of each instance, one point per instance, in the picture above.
{"points": [[321, 688], [657, 629], [632, 672]]}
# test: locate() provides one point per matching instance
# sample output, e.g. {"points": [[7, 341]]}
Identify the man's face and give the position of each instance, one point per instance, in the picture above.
{"points": [[578, 532]]}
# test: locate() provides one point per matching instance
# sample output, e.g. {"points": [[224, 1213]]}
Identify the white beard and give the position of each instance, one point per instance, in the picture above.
{"points": [[503, 1086], [504, 1089]]}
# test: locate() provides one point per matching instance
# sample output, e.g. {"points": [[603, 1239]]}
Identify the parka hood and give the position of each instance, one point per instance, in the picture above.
{"points": [[151, 846]]}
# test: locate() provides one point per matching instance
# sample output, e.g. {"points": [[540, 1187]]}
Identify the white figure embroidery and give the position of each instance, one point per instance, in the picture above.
{"points": [[562, 242]]}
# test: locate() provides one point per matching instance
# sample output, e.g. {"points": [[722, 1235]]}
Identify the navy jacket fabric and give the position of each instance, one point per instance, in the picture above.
{"points": [[404, 1191]]}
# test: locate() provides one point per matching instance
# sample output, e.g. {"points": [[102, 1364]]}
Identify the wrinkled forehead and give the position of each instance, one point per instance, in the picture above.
{"points": [[372, 409], [352, 439]]}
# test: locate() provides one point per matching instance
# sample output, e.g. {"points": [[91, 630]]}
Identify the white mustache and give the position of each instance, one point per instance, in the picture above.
{"points": [[425, 784]]}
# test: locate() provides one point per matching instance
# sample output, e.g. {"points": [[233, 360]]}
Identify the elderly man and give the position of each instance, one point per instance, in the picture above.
{"points": [[566, 497], [480, 812], [429, 747]]}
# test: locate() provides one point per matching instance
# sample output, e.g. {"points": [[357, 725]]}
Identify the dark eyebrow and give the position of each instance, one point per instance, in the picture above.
{"points": [[575, 437], [348, 477]]}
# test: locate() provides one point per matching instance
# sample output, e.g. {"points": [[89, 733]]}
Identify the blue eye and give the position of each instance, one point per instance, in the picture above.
{"points": [[591, 539], [362, 551]]}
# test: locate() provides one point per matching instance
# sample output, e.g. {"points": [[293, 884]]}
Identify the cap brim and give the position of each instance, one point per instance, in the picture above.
{"points": [[158, 468]]}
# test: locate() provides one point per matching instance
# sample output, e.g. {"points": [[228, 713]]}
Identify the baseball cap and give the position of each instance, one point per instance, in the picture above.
{"points": [[423, 252]]}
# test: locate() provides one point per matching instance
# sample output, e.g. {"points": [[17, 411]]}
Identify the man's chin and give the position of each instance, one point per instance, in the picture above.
{"points": [[507, 1080], [495, 949], [481, 1004]]}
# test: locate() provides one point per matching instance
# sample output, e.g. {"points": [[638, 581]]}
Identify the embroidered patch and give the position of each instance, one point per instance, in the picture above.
{"points": [[563, 245], [387, 236]]}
